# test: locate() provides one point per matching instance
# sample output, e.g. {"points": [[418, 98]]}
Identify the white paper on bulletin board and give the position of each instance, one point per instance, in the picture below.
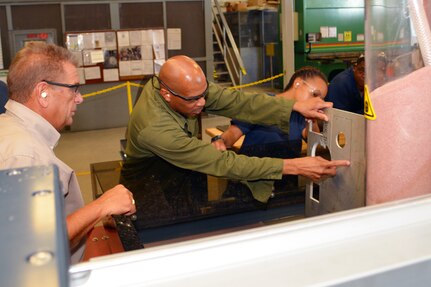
{"points": [[174, 39], [99, 40], [136, 68], [110, 40], [147, 52], [123, 38], [110, 75], [148, 68], [135, 38], [159, 51], [92, 73], [158, 36], [88, 41], [125, 68], [147, 37], [97, 56]]}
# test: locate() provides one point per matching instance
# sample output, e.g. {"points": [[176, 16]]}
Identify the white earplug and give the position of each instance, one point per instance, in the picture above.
{"points": [[44, 95], [297, 85]]}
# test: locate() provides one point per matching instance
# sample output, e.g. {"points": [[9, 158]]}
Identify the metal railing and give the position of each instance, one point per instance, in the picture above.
{"points": [[227, 45]]}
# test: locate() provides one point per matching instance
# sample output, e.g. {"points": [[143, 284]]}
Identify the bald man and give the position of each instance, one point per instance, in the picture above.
{"points": [[43, 96], [163, 149]]}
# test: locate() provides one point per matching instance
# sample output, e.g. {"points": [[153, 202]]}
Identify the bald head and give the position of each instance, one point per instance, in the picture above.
{"points": [[183, 75]]}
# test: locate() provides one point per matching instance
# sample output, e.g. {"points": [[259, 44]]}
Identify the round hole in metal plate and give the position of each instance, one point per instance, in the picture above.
{"points": [[341, 140]]}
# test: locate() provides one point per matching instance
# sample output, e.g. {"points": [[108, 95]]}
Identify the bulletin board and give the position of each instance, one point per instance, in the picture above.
{"points": [[117, 55]]}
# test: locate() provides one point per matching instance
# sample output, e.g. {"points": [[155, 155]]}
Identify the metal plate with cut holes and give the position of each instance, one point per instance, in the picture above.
{"points": [[343, 137], [34, 245]]}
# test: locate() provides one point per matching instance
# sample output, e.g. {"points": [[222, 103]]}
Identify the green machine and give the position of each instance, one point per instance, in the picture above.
{"points": [[330, 34]]}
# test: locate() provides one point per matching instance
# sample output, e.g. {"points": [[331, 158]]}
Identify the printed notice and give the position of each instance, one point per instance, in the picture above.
{"points": [[88, 40], [174, 39], [135, 38], [347, 36], [110, 75], [110, 40], [159, 51], [324, 30], [148, 68], [99, 40], [147, 37], [158, 37], [97, 56], [123, 38], [332, 32], [92, 73], [147, 52]]}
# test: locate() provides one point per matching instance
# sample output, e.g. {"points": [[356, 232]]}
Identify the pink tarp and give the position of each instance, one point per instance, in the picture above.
{"points": [[399, 140]]}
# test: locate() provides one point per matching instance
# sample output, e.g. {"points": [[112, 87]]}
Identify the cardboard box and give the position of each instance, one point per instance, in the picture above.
{"points": [[240, 6], [256, 2]]}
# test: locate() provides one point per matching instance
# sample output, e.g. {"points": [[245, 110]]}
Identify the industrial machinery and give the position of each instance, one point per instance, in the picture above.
{"points": [[330, 34]]}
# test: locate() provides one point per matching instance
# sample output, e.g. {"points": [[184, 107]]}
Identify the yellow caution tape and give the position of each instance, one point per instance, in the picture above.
{"points": [[112, 89], [258, 82], [130, 84], [104, 91]]}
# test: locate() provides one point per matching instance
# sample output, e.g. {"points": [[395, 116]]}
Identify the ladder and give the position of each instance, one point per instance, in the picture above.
{"points": [[228, 65]]}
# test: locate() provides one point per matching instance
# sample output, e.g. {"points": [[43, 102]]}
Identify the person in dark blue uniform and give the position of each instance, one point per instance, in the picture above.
{"points": [[3, 96], [346, 90], [270, 141]]}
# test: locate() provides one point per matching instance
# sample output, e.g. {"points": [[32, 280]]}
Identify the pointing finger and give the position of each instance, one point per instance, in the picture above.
{"points": [[336, 163]]}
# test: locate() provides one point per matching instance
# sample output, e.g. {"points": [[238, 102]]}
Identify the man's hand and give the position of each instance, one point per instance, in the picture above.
{"points": [[219, 145], [312, 108], [315, 168], [117, 201]]}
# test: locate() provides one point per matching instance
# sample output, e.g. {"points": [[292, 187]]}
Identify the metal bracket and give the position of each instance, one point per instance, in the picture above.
{"points": [[344, 137], [33, 236]]}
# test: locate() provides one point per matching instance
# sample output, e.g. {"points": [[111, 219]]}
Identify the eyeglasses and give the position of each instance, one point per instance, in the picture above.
{"points": [[315, 92], [187, 99], [73, 87]]}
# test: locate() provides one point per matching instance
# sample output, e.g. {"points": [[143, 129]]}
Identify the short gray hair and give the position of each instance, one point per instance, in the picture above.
{"points": [[35, 62]]}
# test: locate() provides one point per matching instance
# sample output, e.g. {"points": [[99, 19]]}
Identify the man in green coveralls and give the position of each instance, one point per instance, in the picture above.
{"points": [[166, 163]]}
